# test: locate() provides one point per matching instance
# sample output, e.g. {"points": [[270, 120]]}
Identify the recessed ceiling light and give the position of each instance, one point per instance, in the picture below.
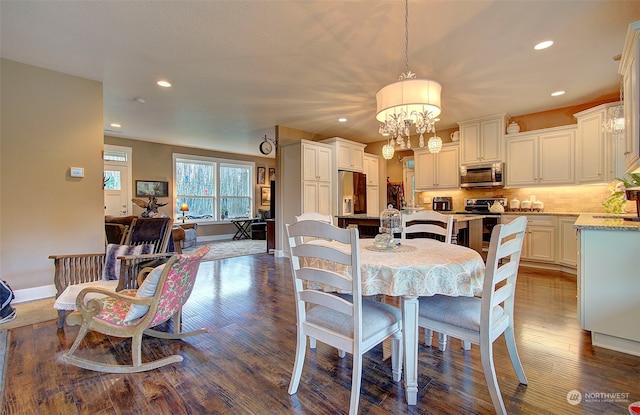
{"points": [[543, 45], [165, 84], [557, 93], [342, 119], [115, 125]]}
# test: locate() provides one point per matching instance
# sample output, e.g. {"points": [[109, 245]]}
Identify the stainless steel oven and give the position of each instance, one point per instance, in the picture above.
{"points": [[481, 206]]}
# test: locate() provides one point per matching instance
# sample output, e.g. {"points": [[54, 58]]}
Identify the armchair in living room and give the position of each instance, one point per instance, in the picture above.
{"points": [[117, 268], [184, 236]]}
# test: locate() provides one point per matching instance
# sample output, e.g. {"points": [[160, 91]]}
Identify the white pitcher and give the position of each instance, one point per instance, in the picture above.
{"points": [[455, 136]]}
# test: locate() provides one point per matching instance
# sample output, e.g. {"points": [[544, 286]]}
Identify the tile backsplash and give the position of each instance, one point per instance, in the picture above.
{"points": [[582, 198]]}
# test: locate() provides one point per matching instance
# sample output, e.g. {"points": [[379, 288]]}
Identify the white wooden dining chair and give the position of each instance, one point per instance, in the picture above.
{"points": [[349, 323], [315, 216], [434, 224], [482, 320], [321, 218]]}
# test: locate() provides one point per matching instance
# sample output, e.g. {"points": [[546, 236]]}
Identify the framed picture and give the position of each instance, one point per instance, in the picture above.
{"points": [[272, 173], [146, 188], [261, 175], [265, 196]]}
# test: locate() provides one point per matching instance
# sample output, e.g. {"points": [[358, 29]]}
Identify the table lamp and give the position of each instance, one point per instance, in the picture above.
{"points": [[183, 208]]}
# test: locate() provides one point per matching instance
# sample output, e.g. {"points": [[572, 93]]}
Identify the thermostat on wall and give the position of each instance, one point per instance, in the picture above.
{"points": [[76, 171]]}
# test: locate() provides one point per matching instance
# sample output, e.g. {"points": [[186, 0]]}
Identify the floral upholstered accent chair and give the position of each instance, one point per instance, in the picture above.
{"points": [[132, 313]]}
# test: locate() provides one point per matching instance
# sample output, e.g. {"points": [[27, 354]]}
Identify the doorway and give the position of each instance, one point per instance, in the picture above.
{"points": [[117, 180]]}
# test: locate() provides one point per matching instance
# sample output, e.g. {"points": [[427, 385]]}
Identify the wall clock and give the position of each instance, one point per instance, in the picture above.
{"points": [[266, 147]]}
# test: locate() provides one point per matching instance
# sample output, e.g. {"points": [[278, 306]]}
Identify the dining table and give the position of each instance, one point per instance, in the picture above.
{"points": [[413, 268]]}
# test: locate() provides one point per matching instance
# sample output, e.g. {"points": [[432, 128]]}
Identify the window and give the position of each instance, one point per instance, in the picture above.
{"points": [[213, 189], [112, 180]]}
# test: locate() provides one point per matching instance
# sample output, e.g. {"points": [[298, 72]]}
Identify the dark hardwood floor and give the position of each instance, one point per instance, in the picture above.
{"points": [[243, 365]]}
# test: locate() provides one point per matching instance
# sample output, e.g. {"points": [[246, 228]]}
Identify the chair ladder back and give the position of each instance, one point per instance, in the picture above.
{"points": [[310, 280], [314, 216], [506, 243], [329, 300], [155, 231], [428, 222], [324, 277]]}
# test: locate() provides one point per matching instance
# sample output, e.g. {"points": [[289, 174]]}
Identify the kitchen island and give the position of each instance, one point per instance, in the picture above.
{"points": [[467, 228], [609, 281]]}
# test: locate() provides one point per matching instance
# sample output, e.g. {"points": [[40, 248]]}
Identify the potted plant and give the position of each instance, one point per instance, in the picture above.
{"points": [[632, 190]]}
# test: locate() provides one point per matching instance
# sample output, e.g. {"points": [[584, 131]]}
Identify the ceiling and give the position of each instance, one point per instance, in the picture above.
{"points": [[239, 68]]}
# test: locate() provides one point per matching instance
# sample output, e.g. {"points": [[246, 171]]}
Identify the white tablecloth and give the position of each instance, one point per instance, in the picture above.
{"points": [[431, 268]]}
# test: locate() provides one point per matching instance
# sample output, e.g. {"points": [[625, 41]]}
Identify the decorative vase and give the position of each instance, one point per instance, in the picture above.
{"points": [[513, 128]]}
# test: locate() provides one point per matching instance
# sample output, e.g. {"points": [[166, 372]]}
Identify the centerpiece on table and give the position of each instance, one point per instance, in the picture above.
{"points": [[390, 223]]}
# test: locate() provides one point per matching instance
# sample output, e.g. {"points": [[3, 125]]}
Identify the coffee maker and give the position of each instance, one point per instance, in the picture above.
{"points": [[442, 204]]}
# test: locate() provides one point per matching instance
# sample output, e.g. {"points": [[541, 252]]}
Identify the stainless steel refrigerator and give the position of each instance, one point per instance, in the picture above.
{"points": [[352, 191]]}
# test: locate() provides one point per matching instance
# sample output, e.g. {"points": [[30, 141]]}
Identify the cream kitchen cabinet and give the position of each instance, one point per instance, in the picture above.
{"points": [[596, 149], [609, 285], [437, 170], [481, 140], [317, 162], [567, 241], [307, 179], [349, 154], [373, 201], [541, 157], [371, 166], [540, 239], [630, 71]]}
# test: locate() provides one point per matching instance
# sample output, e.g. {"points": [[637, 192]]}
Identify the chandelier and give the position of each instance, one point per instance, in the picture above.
{"points": [[614, 121], [435, 143], [405, 102], [614, 118]]}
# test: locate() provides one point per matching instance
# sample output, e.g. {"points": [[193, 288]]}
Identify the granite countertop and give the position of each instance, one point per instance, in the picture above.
{"points": [[459, 217], [606, 222]]}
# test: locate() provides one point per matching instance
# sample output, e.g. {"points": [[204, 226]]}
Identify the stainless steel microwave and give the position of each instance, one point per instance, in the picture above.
{"points": [[485, 175]]}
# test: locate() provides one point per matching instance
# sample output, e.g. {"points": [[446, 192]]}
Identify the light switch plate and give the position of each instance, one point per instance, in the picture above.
{"points": [[76, 171]]}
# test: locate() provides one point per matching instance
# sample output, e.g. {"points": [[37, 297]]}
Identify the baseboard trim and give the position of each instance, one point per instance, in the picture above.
{"points": [[211, 238], [35, 293]]}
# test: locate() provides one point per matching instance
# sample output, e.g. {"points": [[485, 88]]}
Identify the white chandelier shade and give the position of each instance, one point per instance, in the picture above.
{"points": [[409, 97]]}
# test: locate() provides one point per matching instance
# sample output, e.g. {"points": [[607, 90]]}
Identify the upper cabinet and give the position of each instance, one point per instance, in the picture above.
{"points": [[481, 140], [437, 170], [596, 150], [307, 179], [371, 164], [630, 71], [316, 162], [349, 154], [541, 157]]}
